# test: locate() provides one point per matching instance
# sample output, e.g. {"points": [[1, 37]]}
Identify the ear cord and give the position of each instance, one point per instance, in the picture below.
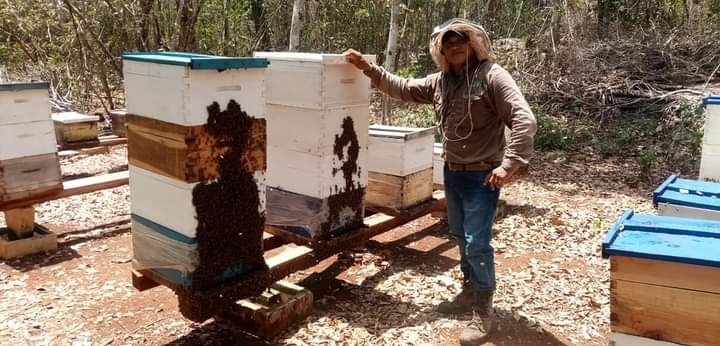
{"points": [[457, 137]]}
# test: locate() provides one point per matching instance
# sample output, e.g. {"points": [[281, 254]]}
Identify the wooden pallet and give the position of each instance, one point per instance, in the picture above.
{"points": [[286, 253], [72, 188]]}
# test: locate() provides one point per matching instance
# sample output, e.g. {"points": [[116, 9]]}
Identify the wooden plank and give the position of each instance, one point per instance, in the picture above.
{"points": [[72, 188], [141, 282], [101, 141], [187, 153], [21, 221], [42, 240], [665, 313], [266, 319], [29, 176], [665, 273], [84, 151]]}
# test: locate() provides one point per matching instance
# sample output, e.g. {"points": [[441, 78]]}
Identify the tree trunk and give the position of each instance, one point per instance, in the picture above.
{"points": [[187, 14], [141, 41], [391, 54], [296, 25], [604, 11], [257, 15]]}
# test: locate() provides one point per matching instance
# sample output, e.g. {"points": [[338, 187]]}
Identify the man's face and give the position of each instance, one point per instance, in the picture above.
{"points": [[456, 50]]}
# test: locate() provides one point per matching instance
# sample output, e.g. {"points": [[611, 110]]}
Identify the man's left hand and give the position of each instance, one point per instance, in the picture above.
{"points": [[498, 178]]}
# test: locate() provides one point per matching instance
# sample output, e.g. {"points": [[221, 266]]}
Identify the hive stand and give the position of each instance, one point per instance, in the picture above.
{"points": [[284, 304], [23, 236]]}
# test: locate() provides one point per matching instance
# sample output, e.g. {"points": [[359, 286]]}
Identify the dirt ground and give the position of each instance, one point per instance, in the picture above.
{"points": [[553, 286]]}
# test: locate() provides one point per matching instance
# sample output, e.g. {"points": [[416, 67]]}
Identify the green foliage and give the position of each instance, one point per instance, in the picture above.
{"points": [[552, 134], [417, 116]]}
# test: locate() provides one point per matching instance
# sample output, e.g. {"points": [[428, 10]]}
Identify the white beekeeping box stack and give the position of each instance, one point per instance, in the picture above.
{"points": [[28, 154], [710, 160], [400, 161], [318, 111], [196, 149]]}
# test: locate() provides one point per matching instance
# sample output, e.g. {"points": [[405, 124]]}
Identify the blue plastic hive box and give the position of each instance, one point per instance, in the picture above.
{"points": [[688, 198], [665, 279]]}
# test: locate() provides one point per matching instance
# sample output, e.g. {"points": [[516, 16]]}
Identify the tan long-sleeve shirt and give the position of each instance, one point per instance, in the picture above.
{"points": [[477, 137]]}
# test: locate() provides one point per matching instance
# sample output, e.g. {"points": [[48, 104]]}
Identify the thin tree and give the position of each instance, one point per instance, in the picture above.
{"points": [[296, 25]]}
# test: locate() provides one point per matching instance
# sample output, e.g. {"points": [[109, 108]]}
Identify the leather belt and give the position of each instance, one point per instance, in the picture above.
{"points": [[477, 166]]}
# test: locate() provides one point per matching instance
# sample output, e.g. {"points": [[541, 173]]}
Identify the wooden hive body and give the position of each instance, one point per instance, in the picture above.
{"points": [[665, 278], [72, 127]]}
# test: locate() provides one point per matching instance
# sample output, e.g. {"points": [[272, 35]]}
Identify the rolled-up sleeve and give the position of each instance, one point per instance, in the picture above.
{"points": [[512, 107], [416, 90]]}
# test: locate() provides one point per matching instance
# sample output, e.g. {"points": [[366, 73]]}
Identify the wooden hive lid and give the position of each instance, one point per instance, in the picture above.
{"points": [[689, 193], [74, 117], [665, 238], [197, 61], [396, 132]]}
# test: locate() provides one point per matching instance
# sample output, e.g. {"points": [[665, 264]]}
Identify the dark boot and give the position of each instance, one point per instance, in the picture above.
{"points": [[482, 324], [461, 303]]}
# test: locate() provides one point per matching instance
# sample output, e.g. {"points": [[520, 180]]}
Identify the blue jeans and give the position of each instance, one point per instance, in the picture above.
{"points": [[471, 212]]}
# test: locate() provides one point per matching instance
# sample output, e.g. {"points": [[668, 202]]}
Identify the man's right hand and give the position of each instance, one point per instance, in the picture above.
{"points": [[356, 59]]}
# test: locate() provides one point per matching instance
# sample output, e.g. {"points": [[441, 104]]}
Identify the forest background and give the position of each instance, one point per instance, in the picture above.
{"points": [[612, 78]]}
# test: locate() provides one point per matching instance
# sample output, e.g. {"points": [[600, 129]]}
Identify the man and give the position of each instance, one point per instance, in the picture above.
{"points": [[475, 101]]}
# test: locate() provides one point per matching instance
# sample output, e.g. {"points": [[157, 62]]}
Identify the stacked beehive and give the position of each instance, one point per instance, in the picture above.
{"points": [[318, 110], [196, 147], [400, 161], [29, 163], [710, 160]]}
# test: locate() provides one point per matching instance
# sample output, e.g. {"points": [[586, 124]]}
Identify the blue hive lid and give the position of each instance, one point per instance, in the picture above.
{"points": [[667, 238], [16, 86], [197, 61], [711, 100], [689, 193]]}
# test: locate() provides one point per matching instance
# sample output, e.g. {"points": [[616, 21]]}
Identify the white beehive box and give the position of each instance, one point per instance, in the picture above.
{"points": [[26, 128], [313, 80], [308, 97], [400, 151], [168, 202], [301, 149], [178, 87], [401, 166], [710, 160], [438, 164]]}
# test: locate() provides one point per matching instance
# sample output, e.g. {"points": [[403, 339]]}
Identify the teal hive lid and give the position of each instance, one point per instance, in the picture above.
{"points": [[16, 86], [197, 61]]}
